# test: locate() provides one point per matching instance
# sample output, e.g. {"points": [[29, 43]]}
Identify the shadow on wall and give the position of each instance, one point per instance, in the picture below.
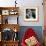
{"points": [[37, 29]]}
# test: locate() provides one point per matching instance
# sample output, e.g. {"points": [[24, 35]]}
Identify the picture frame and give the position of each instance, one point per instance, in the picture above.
{"points": [[5, 12], [31, 14], [13, 12]]}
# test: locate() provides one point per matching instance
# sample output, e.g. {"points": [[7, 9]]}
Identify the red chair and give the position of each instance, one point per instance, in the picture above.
{"points": [[29, 33]]}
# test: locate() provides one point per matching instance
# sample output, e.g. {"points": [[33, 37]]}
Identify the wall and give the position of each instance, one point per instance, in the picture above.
{"points": [[7, 3], [29, 4]]}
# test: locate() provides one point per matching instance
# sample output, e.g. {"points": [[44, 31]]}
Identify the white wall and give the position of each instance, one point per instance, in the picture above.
{"points": [[22, 4], [7, 3], [31, 3]]}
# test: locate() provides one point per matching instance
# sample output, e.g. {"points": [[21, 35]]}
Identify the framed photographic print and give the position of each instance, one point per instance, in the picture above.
{"points": [[31, 14], [5, 12]]}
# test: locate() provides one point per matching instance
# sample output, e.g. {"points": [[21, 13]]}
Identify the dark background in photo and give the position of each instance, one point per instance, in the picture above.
{"points": [[30, 13]]}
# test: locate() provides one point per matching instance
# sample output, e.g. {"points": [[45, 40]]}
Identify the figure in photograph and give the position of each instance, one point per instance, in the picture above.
{"points": [[30, 13]]}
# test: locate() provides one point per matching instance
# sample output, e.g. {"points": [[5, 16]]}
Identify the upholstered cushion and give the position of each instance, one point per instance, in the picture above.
{"points": [[31, 41], [30, 38]]}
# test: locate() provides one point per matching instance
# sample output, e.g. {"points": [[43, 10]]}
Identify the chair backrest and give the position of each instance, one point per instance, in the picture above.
{"points": [[29, 32]]}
